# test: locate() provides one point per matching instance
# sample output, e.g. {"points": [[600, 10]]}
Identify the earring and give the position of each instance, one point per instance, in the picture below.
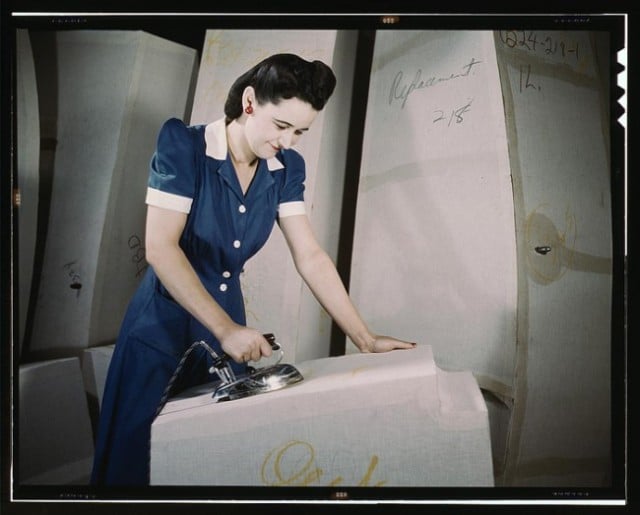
{"points": [[248, 109]]}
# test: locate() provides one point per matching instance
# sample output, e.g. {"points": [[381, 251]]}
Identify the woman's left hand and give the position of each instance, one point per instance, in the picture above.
{"points": [[386, 344]]}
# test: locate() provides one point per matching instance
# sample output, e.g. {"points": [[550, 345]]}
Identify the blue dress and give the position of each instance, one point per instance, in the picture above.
{"points": [[189, 172]]}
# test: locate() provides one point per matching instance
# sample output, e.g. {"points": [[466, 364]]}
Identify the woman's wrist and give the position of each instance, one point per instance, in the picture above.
{"points": [[223, 328], [365, 341]]}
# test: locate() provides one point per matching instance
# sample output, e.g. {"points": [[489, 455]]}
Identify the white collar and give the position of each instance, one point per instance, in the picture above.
{"points": [[215, 137]]}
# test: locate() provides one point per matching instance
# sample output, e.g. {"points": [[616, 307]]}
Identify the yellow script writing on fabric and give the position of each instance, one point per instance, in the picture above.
{"points": [[294, 464]]}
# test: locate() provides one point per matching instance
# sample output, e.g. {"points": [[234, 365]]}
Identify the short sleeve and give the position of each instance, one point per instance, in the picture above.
{"points": [[172, 174], [292, 192]]}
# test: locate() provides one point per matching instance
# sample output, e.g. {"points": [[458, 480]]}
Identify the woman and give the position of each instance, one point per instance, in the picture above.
{"points": [[215, 192]]}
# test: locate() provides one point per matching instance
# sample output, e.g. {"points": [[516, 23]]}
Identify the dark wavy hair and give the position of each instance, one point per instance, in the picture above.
{"points": [[283, 76]]}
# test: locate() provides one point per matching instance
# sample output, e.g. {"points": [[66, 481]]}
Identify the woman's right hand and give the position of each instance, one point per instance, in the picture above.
{"points": [[244, 344]]}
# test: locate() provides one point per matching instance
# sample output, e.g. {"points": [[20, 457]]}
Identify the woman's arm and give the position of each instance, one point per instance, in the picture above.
{"points": [[320, 274], [163, 230]]}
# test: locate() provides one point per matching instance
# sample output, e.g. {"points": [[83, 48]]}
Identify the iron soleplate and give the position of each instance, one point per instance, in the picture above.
{"points": [[263, 380]]}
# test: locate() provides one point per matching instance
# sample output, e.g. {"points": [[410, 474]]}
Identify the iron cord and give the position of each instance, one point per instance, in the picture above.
{"points": [[167, 390]]}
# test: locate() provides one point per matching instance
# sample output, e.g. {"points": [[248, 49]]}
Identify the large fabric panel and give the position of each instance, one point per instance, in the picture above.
{"points": [[359, 420], [434, 256], [114, 90], [558, 145], [55, 441]]}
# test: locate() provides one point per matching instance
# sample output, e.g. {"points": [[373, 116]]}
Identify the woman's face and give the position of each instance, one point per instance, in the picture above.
{"points": [[272, 127]]}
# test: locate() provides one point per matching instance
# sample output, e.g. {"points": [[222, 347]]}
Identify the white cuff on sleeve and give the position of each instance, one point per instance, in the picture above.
{"points": [[168, 200]]}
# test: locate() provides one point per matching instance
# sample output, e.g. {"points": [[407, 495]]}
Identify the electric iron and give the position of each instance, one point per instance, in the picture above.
{"points": [[266, 375]]}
